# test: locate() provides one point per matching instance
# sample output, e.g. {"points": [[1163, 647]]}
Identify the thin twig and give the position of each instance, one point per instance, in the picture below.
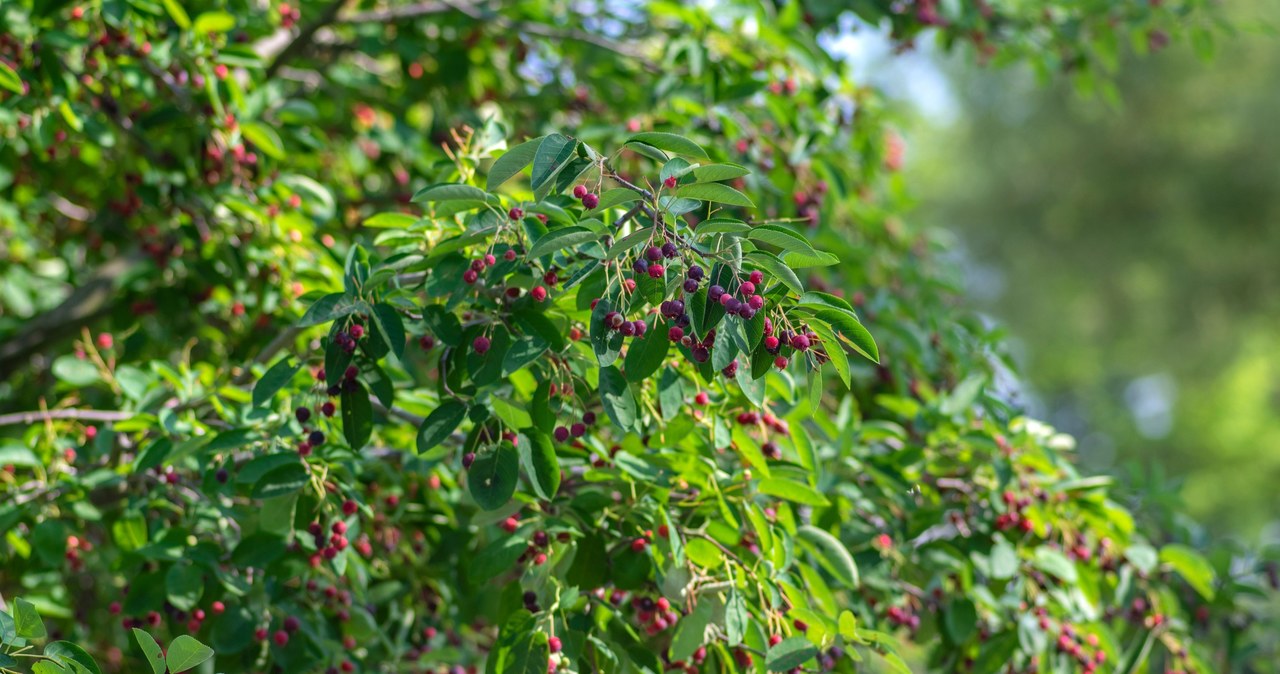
{"points": [[82, 415]]}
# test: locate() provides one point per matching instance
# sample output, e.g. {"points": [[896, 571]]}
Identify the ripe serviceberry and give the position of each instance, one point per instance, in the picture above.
{"points": [[747, 289], [771, 344], [628, 329], [291, 624], [670, 182], [550, 278], [654, 253], [490, 260], [590, 201], [780, 362], [554, 644], [357, 331], [756, 277], [328, 408], [690, 285], [510, 525], [468, 459], [800, 343], [302, 414], [515, 213], [538, 293], [675, 334], [588, 418], [480, 344], [579, 191], [700, 353], [669, 250], [715, 293], [510, 255], [281, 637], [316, 438], [349, 507], [578, 430], [639, 544], [470, 276], [561, 434], [427, 342], [702, 398]]}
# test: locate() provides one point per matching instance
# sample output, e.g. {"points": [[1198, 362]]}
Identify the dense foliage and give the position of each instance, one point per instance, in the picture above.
{"points": [[449, 336]]}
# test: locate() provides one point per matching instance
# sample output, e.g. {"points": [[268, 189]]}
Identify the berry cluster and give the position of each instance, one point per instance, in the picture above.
{"points": [[589, 200]]}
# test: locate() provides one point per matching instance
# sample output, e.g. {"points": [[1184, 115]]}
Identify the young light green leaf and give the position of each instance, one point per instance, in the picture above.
{"points": [[151, 650], [1192, 566], [264, 138], [391, 221], [214, 22], [185, 653], [9, 79], [793, 491], [27, 620], [179, 16]]}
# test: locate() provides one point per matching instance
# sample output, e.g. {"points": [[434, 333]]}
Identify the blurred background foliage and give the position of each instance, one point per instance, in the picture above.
{"points": [[1132, 250]]}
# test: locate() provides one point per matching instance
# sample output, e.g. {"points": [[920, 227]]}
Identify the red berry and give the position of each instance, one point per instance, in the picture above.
{"points": [[675, 333], [800, 343], [260, 634], [490, 260], [774, 640], [747, 289], [639, 544], [756, 277], [538, 293], [339, 527], [357, 331], [470, 276], [590, 201], [510, 255], [281, 637], [480, 344], [328, 408], [702, 398], [579, 191], [105, 340], [510, 525], [656, 270], [515, 213], [771, 343], [554, 644], [670, 182], [780, 362], [801, 625], [218, 607], [349, 507]]}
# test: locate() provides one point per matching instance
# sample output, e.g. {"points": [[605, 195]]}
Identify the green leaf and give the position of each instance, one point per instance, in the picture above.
{"points": [[130, 531], [179, 16], [9, 79], [704, 553], [492, 478], [327, 308], [185, 653], [49, 667], [264, 138], [540, 463], [781, 237], [646, 354], [274, 379], [184, 585], [670, 142], [834, 350], [1055, 563], [712, 173], [1004, 560], [511, 163], [540, 407], [553, 152], [565, 237], [151, 650], [453, 192], [391, 221], [715, 192], [736, 618], [605, 342], [439, 425], [27, 620], [792, 491], [1192, 566], [357, 416], [614, 197], [542, 326], [960, 619], [832, 554], [617, 398], [214, 22], [853, 331], [66, 652], [511, 414], [521, 648], [776, 268], [281, 480], [789, 654], [691, 632], [76, 372], [390, 327]]}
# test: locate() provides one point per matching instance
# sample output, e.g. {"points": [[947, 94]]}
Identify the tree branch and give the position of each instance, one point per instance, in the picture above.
{"points": [[303, 40], [34, 416]]}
